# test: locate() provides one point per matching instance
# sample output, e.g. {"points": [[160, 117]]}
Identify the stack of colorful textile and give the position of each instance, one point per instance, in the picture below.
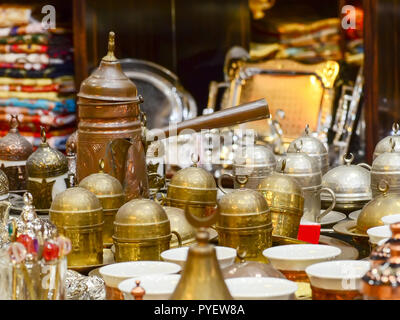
{"points": [[307, 42], [36, 77]]}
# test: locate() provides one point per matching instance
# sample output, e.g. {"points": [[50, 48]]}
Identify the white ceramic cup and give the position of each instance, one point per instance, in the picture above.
{"points": [[114, 274], [377, 234], [391, 219], [341, 275], [157, 286], [297, 257], [261, 288], [225, 256]]}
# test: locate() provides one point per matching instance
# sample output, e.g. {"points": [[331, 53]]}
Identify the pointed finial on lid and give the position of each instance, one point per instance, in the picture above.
{"points": [[348, 158], [14, 122], [43, 135], [307, 130], [138, 292], [111, 46], [101, 166], [396, 128]]}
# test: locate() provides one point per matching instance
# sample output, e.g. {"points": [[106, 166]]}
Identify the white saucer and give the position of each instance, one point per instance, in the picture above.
{"points": [[331, 218]]}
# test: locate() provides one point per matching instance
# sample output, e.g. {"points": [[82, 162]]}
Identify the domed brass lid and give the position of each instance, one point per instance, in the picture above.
{"points": [[282, 183], [256, 155], [141, 219], [179, 224], [348, 182], [310, 145], [102, 184], [193, 177], [243, 208], [108, 82], [4, 184], [383, 205], [384, 145], [75, 199], [387, 161], [46, 162], [13, 146]]}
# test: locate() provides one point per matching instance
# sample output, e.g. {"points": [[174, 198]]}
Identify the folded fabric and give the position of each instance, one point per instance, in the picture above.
{"points": [[31, 112], [41, 58], [51, 95], [23, 48], [49, 72], [23, 66], [68, 105], [12, 15], [54, 87], [26, 81], [35, 27], [25, 39], [26, 121]]}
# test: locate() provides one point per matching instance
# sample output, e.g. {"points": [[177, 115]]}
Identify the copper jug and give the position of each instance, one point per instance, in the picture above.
{"points": [[109, 109]]}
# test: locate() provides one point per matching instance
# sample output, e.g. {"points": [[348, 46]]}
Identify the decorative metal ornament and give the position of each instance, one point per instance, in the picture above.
{"points": [[14, 151]]}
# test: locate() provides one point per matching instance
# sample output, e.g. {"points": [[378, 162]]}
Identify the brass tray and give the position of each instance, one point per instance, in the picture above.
{"points": [[348, 251], [108, 258], [348, 228]]}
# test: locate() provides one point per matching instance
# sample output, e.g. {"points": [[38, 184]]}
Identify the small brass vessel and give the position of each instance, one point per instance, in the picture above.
{"points": [[383, 205], [142, 231], [14, 151], [286, 202], [78, 215], [47, 174], [180, 225], [351, 185], [314, 148], [202, 277], [193, 186], [244, 221], [110, 193], [385, 145], [256, 162], [386, 166]]}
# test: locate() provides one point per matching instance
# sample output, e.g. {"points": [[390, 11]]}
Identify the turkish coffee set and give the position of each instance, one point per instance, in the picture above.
{"points": [[101, 222]]}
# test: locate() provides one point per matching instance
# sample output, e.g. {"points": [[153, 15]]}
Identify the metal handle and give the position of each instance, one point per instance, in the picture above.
{"points": [[365, 165], [178, 236], [333, 204], [219, 181]]}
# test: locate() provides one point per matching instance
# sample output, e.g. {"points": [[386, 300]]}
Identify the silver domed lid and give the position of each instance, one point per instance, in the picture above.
{"points": [[313, 147], [304, 169], [384, 145], [388, 161], [349, 182], [254, 155]]}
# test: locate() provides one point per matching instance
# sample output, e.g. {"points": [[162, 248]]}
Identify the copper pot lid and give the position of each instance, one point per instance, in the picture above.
{"points": [[349, 182], [108, 82], [13, 146]]}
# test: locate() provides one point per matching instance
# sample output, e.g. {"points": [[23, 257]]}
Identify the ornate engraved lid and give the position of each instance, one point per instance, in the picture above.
{"points": [[349, 182], [102, 184], [13, 146], [108, 82], [383, 205]]}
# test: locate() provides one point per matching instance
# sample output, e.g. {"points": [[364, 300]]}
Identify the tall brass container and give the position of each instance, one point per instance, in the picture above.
{"points": [[194, 187], [244, 222], [47, 174], [142, 231], [78, 215], [14, 151], [108, 110], [110, 193], [285, 200]]}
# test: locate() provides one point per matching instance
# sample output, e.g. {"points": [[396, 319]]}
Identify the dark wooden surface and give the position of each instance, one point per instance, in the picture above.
{"points": [[382, 69]]}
